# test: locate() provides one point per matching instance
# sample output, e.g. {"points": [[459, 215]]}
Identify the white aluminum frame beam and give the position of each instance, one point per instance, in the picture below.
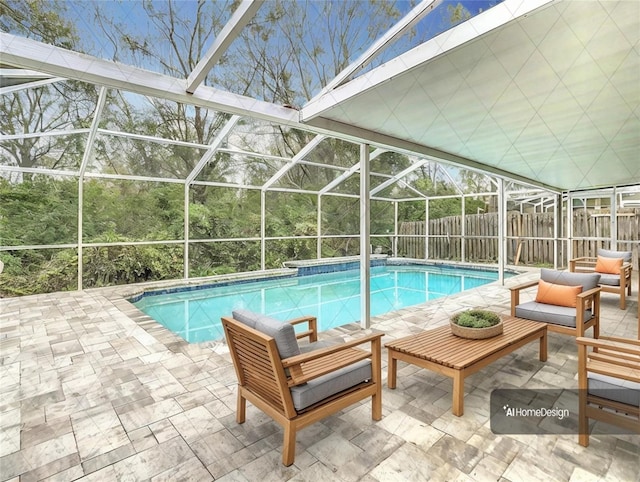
{"points": [[157, 140], [93, 131], [408, 21], [399, 176], [213, 148], [60, 62], [29, 135], [502, 230], [451, 180], [240, 18], [88, 151], [9, 73], [30, 85], [299, 156], [344, 176], [405, 185], [365, 239]]}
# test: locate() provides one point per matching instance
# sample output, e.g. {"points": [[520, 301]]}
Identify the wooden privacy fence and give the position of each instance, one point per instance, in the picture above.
{"points": [[530, 236]]}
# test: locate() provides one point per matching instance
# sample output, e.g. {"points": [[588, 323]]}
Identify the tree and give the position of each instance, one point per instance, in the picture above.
{"points": [[59, 106]]}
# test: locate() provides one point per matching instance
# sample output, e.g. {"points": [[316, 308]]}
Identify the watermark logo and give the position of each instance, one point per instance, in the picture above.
{"points": [[529, 411], [557, 412], [542, 411]]}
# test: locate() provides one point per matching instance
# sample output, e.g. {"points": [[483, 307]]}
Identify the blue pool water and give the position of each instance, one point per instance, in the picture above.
{"points": [[334, 298]]}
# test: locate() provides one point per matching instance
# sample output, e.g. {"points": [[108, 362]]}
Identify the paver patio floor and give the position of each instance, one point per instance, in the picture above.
{"points": [[90, 392]]}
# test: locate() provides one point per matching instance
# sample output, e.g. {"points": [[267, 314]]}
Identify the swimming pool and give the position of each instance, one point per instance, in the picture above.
{"points": [[334, 298]]}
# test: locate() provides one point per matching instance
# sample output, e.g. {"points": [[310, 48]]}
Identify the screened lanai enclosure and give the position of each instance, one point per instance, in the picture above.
{"points": [[161, 140]]}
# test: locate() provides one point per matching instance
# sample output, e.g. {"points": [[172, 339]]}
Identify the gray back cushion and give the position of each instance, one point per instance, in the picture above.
{"points": [[282, 332], [247, 317], [586, 280], [607, 253]]}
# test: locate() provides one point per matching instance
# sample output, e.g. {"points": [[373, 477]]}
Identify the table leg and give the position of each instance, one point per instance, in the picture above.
{"points": [[543, 346], [458, 394], [392, 368]]}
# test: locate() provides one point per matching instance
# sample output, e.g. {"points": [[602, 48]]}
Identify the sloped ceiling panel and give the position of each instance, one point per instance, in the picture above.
{"points": [[553, 95]]}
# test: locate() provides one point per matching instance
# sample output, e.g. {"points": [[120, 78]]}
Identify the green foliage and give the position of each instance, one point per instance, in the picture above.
{"points": [[215, 258], [279, 251], [42, 271], [38, 211], [114, 265], [135, 210], [476, 319], [44, 21], [291, 213]]}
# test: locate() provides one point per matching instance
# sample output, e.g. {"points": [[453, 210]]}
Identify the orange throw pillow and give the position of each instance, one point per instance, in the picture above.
{"points": [[608, 265], [561, 295]]}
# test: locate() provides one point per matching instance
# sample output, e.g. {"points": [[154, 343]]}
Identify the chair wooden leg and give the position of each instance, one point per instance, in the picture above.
{"points": [[241, 410], [583, 421], [376, 405], [289, 445], [583, 439]]}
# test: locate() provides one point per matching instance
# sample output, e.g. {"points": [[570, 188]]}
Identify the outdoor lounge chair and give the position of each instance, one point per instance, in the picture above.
{"points": [[609, 384], [614, 268], [298, 389], [568, 302]]}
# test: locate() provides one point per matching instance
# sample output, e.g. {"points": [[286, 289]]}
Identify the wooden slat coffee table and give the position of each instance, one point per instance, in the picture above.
{"points": [[442, 352]]}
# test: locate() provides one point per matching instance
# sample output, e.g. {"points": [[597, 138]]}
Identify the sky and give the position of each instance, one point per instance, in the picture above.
{"points": [[132, 17]]}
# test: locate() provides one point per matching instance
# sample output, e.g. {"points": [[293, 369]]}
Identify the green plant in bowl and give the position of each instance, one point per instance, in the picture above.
{"points": [[476, 324], [476, 319]]}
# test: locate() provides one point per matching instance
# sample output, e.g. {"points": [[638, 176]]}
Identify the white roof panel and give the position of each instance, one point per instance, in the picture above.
{"points": [[549, 91]]}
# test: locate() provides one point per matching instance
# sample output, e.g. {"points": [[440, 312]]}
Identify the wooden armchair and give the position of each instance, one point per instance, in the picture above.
{"points": [[614, 268], [572, 312], [299, 389], [608, 383]]}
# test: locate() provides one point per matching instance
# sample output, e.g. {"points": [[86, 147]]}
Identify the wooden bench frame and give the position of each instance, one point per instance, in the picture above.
{"points": [[265, 379], [614, 357]]}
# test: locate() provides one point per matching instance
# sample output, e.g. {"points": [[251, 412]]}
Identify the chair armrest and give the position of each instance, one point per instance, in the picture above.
{"points": [[623, 345], [515, 294], [312, 327], [614, 357], [585, 264], [522, 286], [588, 300], [314, 364], [589, 293], [629, 341]]}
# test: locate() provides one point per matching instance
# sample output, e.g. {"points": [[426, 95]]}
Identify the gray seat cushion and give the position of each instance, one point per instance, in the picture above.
{"points": [[609, 279], [316, 345], [607, 253], [623, 391], [282, 332], [558, 315], [588, 281], [323, 387]]}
